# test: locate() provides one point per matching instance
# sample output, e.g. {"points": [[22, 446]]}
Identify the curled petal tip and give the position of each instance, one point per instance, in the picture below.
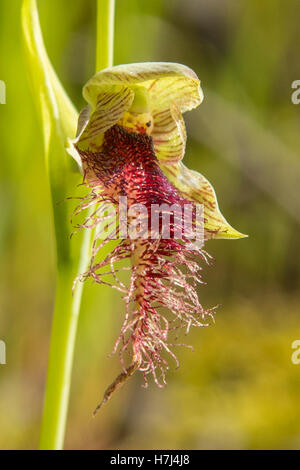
{"points": [[232, 234]]}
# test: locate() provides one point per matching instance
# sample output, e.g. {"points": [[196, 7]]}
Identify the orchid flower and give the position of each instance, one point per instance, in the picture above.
{"points": [[130, 144]]}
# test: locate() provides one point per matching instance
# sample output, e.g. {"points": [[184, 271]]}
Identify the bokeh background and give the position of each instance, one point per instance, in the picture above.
{"points": [[239, 388]]}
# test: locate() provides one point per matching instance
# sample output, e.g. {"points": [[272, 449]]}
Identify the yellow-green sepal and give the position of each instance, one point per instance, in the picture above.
{"points": [[195, 187]]}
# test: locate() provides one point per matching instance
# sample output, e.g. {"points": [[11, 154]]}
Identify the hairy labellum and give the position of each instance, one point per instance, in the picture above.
{"points": [[164, 270]]}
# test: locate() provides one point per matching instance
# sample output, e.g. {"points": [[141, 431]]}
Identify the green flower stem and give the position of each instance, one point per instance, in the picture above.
{"points": [[105, 33], [67, 308], [62, 345]]}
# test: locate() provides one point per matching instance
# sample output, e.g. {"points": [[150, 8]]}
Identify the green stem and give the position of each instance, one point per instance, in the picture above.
{"points": [[67, 308], [62, 345], [105, 34]]}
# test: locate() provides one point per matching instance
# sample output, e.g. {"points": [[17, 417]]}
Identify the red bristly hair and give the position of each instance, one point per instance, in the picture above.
{"points": [[164, 272]]}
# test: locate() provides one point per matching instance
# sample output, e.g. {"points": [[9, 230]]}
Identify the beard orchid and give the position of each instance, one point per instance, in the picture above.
{"points": [[130, 144]]}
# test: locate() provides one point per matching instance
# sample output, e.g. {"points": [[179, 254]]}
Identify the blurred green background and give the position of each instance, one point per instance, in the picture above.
{"points": [[239, 388]]}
